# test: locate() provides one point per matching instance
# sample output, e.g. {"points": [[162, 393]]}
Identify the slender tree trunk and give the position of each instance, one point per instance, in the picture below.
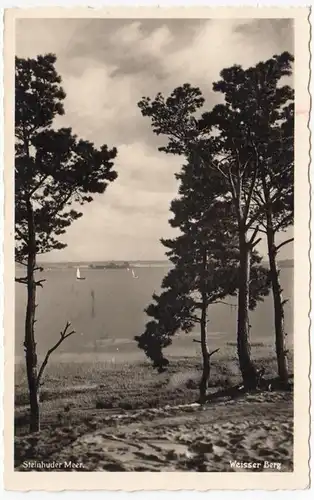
{"points": [[203, 324], [281, 351], [247, 368], [205, 353], [29, 342]]}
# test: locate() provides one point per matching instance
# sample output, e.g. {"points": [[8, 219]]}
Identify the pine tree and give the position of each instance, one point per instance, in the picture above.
{"points": [[205, 258], [54, 170], [230, 140], [276, 193], [256, 126]]}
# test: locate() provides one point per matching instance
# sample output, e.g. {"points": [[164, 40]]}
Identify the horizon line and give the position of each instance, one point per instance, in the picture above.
{"points": [[126, 260]]}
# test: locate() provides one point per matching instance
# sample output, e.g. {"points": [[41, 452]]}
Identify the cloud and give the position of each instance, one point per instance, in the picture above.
{"points": [[133, 211], [223, 42], [145, 168], [107, 66]]}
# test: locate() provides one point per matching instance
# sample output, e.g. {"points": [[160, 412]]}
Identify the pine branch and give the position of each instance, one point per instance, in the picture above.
{"points": [[216, 165], [63, 335], [256, 230], [255, 217], [277, 195], [209, 353], [21, 280], [233, 189], [40, 183], [251, 190], [258, 198], [194, 318], [284, 243], [259, 229], [213, 352], [224, 303], [244, 168], [256, 242], [39, 282], [222, 173]]}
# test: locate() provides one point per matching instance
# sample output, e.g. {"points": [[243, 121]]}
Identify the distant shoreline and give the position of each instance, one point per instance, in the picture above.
{"points": [[93, 265]]}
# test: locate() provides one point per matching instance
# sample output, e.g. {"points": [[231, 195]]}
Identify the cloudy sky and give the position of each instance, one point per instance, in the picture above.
{"points": [[106, 67]]}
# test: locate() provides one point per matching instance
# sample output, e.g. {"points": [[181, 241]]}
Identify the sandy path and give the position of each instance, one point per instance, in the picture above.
{"points": [[257, 428]]}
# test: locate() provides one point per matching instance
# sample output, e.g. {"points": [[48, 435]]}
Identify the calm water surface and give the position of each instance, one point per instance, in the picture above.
{"points": [[107, 310]]}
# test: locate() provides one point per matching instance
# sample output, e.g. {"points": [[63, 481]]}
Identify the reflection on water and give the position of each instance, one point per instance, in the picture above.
{"points": [[107, 310]]}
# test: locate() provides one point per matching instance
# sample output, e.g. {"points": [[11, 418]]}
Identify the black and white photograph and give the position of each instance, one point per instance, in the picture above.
{"points": [[155, 248]]}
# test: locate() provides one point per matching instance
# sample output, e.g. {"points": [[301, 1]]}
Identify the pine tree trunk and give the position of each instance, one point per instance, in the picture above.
{"points": [[247, 368], [203, 324], [278, 305], [206, 361], [29, 342]]}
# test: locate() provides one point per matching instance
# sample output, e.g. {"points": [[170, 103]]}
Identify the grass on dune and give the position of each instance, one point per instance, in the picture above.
{"points": [[73, 391], [79, 398]]}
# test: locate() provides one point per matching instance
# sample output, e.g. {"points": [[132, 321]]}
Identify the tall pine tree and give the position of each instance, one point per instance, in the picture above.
{"points": [[206, 270], [256, 136], [53, 170], [230, 140]]}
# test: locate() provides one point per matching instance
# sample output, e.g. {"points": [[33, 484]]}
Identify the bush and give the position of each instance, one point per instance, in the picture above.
{"points": [[192, 384], [103, 405], [125, 405]]}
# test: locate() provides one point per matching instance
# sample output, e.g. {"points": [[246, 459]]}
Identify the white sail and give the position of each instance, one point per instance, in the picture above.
{"points": [[133, 274], [78, 274]]}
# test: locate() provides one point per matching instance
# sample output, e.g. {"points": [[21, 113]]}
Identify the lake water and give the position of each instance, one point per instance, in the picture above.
{"points": [[107, 310]]}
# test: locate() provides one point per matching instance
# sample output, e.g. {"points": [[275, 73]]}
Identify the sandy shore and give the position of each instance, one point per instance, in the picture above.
{"points": [[221, 436]]}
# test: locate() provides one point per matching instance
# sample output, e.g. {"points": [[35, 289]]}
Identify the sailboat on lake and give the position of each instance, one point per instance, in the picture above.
{"points": [[78, 274]]}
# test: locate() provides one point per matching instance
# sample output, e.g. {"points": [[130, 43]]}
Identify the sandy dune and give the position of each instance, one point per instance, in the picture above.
{"points": [[256, 428]]}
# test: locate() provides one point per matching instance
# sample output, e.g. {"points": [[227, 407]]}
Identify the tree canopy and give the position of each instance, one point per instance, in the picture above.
{"points": [[53, 168]]}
